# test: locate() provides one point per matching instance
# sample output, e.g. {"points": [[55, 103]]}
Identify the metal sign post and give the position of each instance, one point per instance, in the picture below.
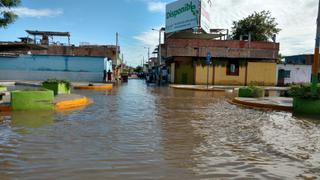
{"points": [[208, 62], [315, 67]]}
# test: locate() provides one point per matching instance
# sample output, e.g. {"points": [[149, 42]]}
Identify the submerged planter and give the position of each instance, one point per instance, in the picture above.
{"points": [[2, 88], [306, 106], [124, 77], [32, 100], [57, 88]]}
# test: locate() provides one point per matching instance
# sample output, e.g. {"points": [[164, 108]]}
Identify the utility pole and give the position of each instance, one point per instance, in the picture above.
{"points": [[159, 50], [117, 54], [122, 62], [117, 44], [315, 67], [159, 55], [148, 53], [142, 61]]}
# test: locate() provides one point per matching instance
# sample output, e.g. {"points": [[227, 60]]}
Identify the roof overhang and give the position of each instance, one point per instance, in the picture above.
{"points": [[47, 33]]}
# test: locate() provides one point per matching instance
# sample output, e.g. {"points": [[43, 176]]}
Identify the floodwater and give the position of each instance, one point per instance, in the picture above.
{"points": [[141, 132]]}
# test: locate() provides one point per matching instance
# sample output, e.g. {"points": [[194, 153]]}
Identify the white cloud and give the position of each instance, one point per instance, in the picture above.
{"points": [[149, 38], [156, 6], [28, 12], [138, 48], [296, 18]]}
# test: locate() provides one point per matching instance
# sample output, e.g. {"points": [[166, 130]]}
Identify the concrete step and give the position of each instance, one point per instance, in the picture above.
{"points": [[7, 83], [5, 97]]}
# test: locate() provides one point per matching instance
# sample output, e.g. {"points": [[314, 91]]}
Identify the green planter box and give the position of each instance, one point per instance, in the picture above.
{"points": [[245, 92], [57, 88], [306, 106], [32, 100], [251, 92], [2, 88], [124, 77]]}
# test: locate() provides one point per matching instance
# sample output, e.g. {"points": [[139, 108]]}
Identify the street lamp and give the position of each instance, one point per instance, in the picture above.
{"points": [[148, 53], [159, 50], [159, 53]]}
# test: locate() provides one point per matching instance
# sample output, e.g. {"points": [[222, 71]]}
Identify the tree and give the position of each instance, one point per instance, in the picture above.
{"points": [[7, 16], [138, 69], [261, 25]]}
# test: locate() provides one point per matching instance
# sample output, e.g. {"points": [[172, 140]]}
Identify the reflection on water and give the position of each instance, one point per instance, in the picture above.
{"points": [[141, 132], [31, 119]]}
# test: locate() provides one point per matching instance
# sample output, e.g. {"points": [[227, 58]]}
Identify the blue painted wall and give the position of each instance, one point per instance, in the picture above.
{"points": [[43, 67], [52, 63]]}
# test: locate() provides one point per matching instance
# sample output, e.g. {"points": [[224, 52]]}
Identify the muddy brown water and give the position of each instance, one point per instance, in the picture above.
{"points": [[145, 132]]}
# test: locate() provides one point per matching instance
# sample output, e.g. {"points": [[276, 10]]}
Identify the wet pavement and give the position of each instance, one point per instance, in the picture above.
{"points": [[144, 132]]}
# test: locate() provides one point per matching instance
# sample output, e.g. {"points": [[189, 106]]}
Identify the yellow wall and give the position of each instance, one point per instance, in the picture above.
{"points": [[258, 73], [221, 77], [262, 73], [172, 72], [201, 75]]}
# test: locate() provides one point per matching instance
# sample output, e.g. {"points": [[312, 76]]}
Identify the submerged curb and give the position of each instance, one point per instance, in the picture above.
{"points": [[196, 88], [261, 106], [102, 87], [58, 106], [5, 108], [70, 104]]}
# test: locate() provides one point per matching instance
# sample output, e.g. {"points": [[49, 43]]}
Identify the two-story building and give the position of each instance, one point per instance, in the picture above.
{"points": [[233, 62]]}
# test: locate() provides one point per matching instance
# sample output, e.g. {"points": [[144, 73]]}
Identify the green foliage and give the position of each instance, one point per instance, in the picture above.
{"points": [[58, 81], [251, 91], [7, 16], [260, 24], [304, 91], [257, 92], [138, 69]]}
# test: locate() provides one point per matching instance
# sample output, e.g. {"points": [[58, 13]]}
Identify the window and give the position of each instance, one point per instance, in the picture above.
{"points": [[233, 69], [287, 74]]}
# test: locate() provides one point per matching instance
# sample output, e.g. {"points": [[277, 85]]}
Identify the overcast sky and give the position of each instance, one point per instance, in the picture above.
{"points": [[97, 21]]}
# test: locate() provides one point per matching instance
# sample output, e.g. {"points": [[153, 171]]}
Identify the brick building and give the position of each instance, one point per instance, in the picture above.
{"points": [[234, 62]]}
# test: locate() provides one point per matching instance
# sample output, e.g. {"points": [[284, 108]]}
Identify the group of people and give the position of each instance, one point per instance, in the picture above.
{"points": [[107, 76], [156, 75]]}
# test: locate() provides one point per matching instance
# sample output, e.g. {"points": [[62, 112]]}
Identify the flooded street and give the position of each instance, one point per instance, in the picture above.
{"points": [[141, 132]]}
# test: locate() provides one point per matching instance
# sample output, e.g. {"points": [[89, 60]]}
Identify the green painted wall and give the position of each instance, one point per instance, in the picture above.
{"points": [[185, 74], [3, 88], [306, 106], [32, 100], [57, 88]]}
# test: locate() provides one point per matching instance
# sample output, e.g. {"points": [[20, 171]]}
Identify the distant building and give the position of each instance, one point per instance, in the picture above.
{"points": [[58, 48], [302, 59], [34, 59]]}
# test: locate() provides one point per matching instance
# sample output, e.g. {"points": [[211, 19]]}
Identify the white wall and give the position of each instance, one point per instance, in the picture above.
{"points": [[298, 73], [44, 75]]}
